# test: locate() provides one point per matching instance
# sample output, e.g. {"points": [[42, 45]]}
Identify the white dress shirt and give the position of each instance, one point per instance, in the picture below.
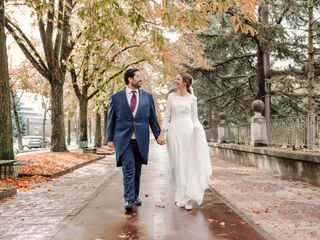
{"points": [[129, 95]]}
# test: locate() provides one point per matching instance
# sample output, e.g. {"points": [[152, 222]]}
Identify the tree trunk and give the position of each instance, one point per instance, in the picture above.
{"points": [[83, 102], [97, 139], [6, 140], [76, 127], [260, 68], [311, 69], [311, 78], [90, 130], [266, 60], [28, 126], [58, 142], [44, 128], [105, 122], [69, 132], [17, 122], [260, 75]]}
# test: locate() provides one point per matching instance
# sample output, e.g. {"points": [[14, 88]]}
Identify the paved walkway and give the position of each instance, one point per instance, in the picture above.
{"points": [[87, 204], [36, 213], [287, 210], [158, 218]]}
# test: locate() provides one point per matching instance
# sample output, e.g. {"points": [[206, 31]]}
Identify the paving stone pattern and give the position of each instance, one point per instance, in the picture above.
{"points": [[37, 213], [287, 210]]}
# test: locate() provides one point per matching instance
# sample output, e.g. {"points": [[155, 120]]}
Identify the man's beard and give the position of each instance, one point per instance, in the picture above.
{"points": [[136, 85]]}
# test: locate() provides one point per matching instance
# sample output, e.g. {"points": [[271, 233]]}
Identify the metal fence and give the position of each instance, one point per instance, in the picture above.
{"points": [[240, 133], [288, 132], [212, 134]]}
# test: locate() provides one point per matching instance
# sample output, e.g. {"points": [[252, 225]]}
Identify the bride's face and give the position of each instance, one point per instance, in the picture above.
{"points": [[180, 84]]}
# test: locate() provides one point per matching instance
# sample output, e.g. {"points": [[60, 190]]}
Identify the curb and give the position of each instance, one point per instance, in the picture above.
{"points": [[10, 191], [245, 217], [62, 172]]}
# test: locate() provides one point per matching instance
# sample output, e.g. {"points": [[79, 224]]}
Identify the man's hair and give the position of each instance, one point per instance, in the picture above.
{"points": [[129, 73]]}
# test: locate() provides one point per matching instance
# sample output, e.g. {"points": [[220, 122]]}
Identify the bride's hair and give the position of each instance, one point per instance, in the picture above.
{"points": [[187, 78]]}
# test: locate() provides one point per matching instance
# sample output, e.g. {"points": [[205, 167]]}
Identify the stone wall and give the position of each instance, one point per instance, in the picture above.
{"points": [[288, 164]]}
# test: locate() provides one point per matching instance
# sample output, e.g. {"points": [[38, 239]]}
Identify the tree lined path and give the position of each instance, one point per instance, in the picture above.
{"points": [[88, 204], [74, 55]]}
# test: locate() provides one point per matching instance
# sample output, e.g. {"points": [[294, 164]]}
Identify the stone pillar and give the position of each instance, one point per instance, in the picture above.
{"points": [[223, 131], [258, 125]]}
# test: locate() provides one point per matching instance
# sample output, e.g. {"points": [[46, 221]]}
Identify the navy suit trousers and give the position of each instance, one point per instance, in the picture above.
{"points": [[131, 169]]}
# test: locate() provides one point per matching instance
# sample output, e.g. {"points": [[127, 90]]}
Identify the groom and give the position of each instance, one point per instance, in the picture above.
{"points": [[131, 111]]}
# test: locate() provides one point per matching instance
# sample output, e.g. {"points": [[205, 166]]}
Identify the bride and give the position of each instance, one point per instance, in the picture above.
{"points": [[186, 142]]}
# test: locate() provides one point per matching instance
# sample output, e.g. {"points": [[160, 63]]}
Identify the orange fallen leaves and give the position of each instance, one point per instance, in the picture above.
{"points": [[24, 183], [43, 163], [49, 163]]}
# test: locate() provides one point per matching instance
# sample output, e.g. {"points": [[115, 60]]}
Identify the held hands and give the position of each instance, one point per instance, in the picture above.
{"points": [[161, 139]]}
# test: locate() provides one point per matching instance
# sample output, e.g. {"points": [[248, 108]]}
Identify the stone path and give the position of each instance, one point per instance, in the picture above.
{"points": [[158, 218], [36, 213], [288, 210], [87, 204]]}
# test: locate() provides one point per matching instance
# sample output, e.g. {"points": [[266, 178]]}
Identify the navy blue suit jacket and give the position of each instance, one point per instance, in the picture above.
{"points": [[121, 123]]}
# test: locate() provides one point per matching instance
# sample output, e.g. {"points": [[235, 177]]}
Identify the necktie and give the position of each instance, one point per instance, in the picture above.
{"points": [[133, 102]]}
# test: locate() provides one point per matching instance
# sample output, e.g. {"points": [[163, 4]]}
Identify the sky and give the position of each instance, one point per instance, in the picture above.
{"points": [[15, 55]]}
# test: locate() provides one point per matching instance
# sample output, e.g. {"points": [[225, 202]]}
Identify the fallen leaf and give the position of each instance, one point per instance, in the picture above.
{"points": [[160, 206], [122, 235]]}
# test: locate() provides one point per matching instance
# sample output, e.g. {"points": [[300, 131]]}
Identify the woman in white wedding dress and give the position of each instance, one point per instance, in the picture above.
{"points": [[186, 142]]}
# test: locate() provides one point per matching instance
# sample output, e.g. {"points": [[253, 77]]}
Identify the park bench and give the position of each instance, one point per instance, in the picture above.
{"points": [[90, 150], [84, 146], [9, 168]]}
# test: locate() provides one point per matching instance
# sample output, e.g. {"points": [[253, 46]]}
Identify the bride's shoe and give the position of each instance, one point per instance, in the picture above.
{"points": [[188, 207], [179, 205]]}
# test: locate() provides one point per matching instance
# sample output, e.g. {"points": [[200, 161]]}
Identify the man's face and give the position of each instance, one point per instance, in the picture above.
{"points": [[136, 81]]}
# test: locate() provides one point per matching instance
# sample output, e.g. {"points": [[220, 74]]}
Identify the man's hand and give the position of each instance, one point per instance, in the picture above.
{"points": [[111, 145]]}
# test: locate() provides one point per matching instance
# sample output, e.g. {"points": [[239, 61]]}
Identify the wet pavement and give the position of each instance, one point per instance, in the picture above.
{"points": [[102, 217], [286, 209]]}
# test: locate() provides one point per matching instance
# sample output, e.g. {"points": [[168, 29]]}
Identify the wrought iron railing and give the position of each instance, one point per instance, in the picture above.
{"points": [[240, 133], [212, 134], [290, 132]]}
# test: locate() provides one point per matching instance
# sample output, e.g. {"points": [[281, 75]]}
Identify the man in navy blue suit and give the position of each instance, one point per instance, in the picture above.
{"points": [[131, 112]]}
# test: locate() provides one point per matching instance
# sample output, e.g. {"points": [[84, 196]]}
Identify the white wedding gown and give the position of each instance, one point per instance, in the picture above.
{"points": [[187, 147]]}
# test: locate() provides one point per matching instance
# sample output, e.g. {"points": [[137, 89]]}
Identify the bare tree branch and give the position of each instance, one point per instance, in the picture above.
{"points": [[114, 76], [74, 79], [57, 46], [38, 64]]}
